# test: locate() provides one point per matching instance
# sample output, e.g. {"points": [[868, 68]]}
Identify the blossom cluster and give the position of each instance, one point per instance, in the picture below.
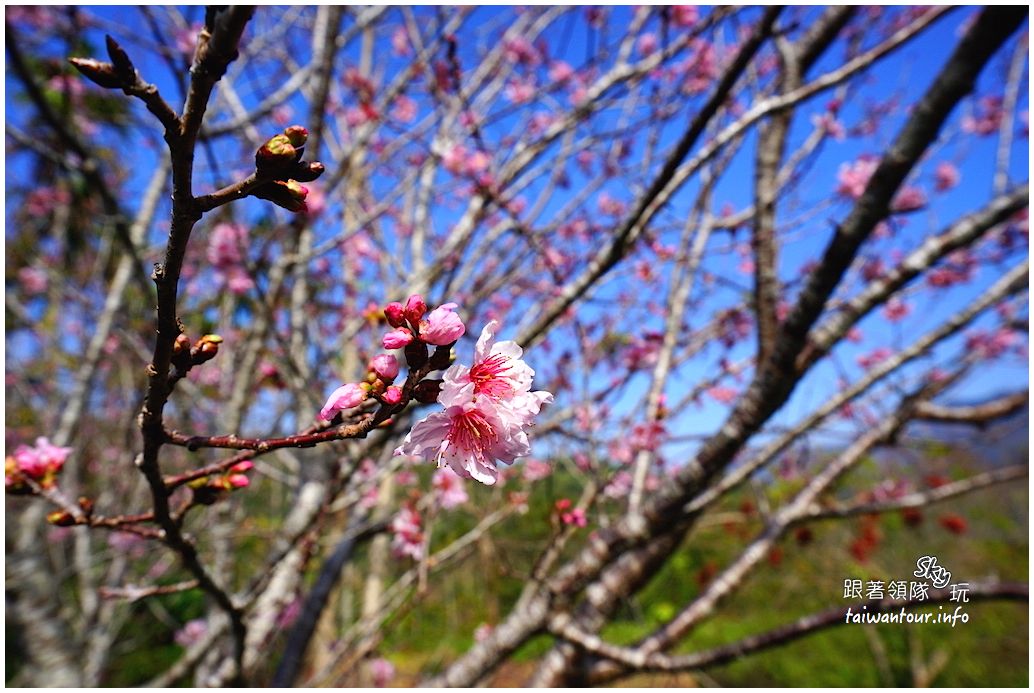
{"points": [[488, 408], [40, 463]]}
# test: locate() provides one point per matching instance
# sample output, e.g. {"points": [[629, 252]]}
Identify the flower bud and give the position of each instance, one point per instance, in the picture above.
{"points": [[181, 345], [442, 326], [100, 73], [296, 135], [393, 395], [86, 505], [385, 366], [238, 481], [394, 313], [287, 194], [416, 354], [275, 154], [242, 466], [206, 348], [397, 339], [61, 518], [427, 391], [122, 65], [307, 172], [345, 397], [415, 308]]}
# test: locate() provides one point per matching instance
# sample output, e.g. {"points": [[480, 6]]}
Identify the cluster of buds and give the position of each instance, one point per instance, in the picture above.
{"points": [[40, 464], [380, 374], [413, 333], [186, 355], [569, 515], [118, 74], [209, 489], [280, 159]]}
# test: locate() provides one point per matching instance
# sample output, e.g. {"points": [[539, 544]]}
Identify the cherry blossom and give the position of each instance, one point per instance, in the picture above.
{"points": [[449, 488], [407, 534], [488, 406], [442, 326], [853, 177], [347, 396]]}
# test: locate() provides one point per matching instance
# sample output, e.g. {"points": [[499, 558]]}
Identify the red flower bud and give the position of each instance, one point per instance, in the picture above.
{"points": [[415, 308], [394, 314]]}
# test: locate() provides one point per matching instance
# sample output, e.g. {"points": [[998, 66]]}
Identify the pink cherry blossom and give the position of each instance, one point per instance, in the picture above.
{"points": [[469, 436], [393, 395], [345, 397], [397, 338], [394, 313], [945, 176], [875, 357], [41, 463], [896, 309], [560, 72], [987, 117], [442, 326], [385, 367], [646, 44], [853, 177], [407, 534], [415, 308], [575, 517], [520, 91], [908, 199], [520, 50], [685, 15], [400, 41], [191, 632], [454, 158], [725, 395], [535, 470], [382, 672], [33, 280], [449, 488], [404, 109]]}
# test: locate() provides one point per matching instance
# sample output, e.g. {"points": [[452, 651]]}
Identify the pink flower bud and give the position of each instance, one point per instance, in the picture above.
{"points": [[385, 366], [396, 339], [239, 481], [393, 395], [394, 314], [415, 308], [242, 466], [345, 397], [442, 326]]}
